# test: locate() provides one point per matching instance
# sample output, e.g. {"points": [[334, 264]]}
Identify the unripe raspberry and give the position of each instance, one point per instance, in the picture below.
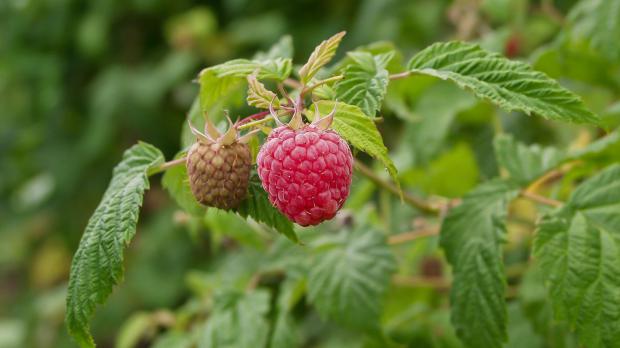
{"points": [[306, 172], [218, 167], [219, 174]]}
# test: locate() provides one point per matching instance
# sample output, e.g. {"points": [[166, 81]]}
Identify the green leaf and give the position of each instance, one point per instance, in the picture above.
{"points": [[238, 320], [324, 92], [214, 88], [438, 177], [322, 54], [359, 130], [578, 248], [599, 22], [281, 49], [471, 236], [176, 182], [276, 69], [258, 207], [221, 80], [259, 96], [607, 146], [424, 138], [98, 263], [223, 223], [365, 81], [349, 275], [525, 163], [511, 85], [285, 331], [133, 329]]}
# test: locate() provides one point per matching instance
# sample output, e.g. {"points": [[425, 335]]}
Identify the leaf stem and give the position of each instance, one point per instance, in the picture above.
{"points": [[167, 165], [258, 115], [401, 75], [408, 198], [254, 123], [541, 199], [320, 83]]}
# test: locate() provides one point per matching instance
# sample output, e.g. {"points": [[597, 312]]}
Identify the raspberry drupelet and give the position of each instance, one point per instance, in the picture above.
{"points": [[306, 172]]}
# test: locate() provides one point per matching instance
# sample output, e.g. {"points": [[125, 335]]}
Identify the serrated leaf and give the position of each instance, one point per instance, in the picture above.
{"points": [[349, 275], [98, 263], [276, 69], [359, 130], [259, 96], [258, 207], [511, 85], [213, 88], [322, 54], [324, 92], [365, 81], [578, 248], [221, 80], [525, 163], [471, 236], [176, 182], [608, 145], [238, 320], [599, 22]]}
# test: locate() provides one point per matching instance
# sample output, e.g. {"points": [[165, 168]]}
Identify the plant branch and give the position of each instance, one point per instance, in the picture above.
{"points": [[540, 199], [254, 123], [437, 283], [320, 83], [413, 235], [413, 201], [401, 75], [167, 165], [258, 115]]}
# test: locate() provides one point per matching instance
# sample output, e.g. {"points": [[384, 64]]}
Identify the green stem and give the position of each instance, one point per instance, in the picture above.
{"points": [[254, 123], [541, 199], [408, 198], [320, 83], [401, 75], [166, 165]]}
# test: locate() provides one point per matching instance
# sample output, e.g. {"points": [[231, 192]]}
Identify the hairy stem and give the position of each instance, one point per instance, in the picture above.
{"points": [[401, 75], [320, 83], [540, 199], [256, 116], [167, 165], [413, 201], [254, 123]]}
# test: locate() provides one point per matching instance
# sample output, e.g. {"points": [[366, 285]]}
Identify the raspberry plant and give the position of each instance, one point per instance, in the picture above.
{"points": [[300, 172]]}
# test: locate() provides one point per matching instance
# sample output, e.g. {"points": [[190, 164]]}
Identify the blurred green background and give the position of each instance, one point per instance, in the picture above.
{"points": [[81, 81]]}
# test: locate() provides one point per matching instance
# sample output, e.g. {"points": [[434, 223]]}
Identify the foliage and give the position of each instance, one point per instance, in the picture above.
{"points": [[483, 208], [98, 262]]}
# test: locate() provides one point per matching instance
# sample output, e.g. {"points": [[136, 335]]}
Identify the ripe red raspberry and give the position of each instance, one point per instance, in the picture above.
{"points": [[306, 172]]}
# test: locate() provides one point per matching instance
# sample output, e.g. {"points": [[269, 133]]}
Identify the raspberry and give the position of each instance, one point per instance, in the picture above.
{"points": [[219, 174], [306, 172], [218, 167]]}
